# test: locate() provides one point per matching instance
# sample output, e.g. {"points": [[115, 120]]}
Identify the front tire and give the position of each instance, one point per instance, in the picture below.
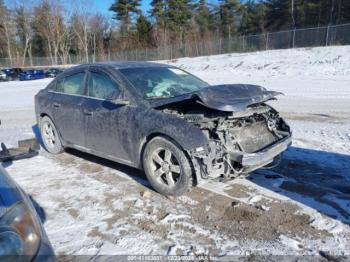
{"points": [[50, 136], [167, 168]]}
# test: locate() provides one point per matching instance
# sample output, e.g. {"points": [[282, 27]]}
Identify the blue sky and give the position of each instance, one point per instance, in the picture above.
{"points": [[97, 5], [103, 5]]}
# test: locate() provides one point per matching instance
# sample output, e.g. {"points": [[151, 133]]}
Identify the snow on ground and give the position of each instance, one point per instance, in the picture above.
{"points": [[20, 94], [312, 70], [301, 207], [312, 79]]}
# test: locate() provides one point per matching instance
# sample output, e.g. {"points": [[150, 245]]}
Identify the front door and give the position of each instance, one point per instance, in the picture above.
{"points": [[105, 129]]}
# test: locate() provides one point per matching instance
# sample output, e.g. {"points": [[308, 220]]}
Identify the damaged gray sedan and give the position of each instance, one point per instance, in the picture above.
{"points": [[159, 118]]}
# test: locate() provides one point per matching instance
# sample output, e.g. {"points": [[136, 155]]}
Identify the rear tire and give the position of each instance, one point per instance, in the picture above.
{"points": [[50, 136], [167, 168]]}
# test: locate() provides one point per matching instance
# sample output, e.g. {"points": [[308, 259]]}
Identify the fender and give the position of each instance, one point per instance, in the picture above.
{"points": [[153, 122]]}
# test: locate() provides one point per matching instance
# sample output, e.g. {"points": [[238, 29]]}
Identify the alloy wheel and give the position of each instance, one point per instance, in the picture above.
{"points": [[49, 135], [165, 167]]}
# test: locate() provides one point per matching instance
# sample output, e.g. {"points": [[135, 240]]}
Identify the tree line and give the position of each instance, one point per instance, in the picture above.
{"points": [[48, 29]]}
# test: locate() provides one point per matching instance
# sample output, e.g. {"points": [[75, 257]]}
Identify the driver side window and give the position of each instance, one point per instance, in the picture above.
{"points": [[102, 86]]}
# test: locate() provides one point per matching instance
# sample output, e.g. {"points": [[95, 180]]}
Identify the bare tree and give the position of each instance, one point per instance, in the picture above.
{"points": [[7, 27], [80, 27], [65, 45], [50, 26], [99, 27], [42, 25], [59, 29], [23, 18]]}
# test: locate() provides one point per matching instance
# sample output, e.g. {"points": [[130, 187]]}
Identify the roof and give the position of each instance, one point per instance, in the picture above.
{"points": [[118, 65], [131, 64]]}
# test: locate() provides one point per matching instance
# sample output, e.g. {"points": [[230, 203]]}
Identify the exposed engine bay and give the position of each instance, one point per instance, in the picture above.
{"points": [[232, 136]]}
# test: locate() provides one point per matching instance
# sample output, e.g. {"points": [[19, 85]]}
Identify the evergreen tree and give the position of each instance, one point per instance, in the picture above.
{"points": [[253, 18], [144, 31], [203, 18], [229, 16], [308, 13], [179, 16], [124, 12], [158, 12], [279, 15], [40, 21], [344, 11]]}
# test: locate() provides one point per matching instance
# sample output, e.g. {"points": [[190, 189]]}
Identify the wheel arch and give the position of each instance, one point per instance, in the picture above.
{"points": [[43, 115]]}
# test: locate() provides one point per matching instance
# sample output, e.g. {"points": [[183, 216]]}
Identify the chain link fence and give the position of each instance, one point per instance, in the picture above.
{"points": [[307, 37]]}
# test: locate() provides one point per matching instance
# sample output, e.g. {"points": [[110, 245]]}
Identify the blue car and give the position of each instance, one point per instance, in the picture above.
{"points": [[31, 75], [22, 235], [3, 76], [12, 73]]}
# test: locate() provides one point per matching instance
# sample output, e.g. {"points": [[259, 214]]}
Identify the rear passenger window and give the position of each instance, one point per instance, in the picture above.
{"points": [[72, 84], [59, 86], [102, 86]]}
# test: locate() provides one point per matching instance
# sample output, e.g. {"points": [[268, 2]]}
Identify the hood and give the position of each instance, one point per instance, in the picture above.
{"points": [[230, 98]]}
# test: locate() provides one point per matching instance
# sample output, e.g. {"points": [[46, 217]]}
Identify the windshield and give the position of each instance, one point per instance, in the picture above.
{"points": [[162, 82]]}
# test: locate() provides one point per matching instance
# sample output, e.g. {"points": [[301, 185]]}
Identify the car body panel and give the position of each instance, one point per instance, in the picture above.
{"points": [[106, 119], [68, 116], [10, 194]]}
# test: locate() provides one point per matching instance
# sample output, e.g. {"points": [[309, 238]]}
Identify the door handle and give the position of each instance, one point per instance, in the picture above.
{"points": [[88, 113], [57, 105]]}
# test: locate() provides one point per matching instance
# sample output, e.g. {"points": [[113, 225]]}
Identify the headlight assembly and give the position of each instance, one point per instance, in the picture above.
{"points": [[19, 232]]}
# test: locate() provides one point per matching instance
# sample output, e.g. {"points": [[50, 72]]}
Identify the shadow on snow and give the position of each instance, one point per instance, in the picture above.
{"points": [[318, 179]]}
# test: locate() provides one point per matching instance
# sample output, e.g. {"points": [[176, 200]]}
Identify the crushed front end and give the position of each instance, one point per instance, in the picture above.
{"points": [[239, 142]]}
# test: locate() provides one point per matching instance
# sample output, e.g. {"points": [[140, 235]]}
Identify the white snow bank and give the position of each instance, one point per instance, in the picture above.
{"points": [[20, 94], [319, 61], [322, 71]]}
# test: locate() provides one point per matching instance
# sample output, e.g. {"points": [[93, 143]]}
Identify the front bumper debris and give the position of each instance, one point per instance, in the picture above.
{"points": [[267, 155], [26, 149]]}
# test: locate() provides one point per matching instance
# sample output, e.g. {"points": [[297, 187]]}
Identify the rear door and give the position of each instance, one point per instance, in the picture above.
{"points": [[67, 112], [104, 129]]}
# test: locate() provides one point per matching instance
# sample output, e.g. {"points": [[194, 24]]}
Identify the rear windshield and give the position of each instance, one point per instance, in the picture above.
{"points": [[162, 82]]}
